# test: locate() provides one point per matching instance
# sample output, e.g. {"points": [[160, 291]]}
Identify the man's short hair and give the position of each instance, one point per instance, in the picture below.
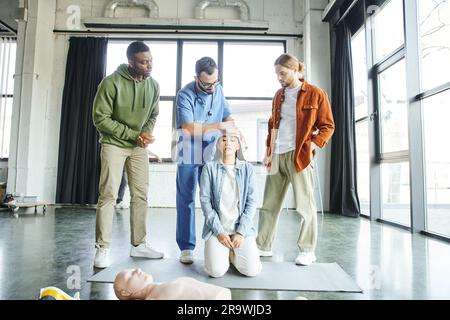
{"points": [[205, 64], [136, 47]]}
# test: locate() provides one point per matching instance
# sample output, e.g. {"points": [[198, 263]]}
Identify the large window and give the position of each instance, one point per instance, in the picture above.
{"points": [[164, 55], [250, 82], [434, 57], [361, 119], [192, 51], [245, 112], [7, 69], [388, 29], [363, 166], [408, 62], [242, 61], [437, 157], [393, 109], [255, 61], [395, 189], [435, 42]]}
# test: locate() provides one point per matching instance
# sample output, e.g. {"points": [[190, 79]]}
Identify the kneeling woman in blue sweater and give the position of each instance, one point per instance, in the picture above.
{"points": [[227, 191]]}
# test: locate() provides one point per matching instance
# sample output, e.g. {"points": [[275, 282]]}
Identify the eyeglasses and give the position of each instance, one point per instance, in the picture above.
{"points": [[206, 85]]}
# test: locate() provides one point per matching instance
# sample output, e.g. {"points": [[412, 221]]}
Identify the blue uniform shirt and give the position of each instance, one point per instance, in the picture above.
{"points": [[196, 106]]}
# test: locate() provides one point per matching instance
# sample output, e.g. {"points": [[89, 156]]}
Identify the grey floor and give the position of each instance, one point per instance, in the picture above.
{"points": [[39, 250]]}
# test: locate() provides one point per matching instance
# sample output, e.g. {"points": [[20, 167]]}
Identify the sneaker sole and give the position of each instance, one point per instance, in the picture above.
{"points": [[266, 255], [187, 262], [101, 266], [305, 265], [144, 256]]}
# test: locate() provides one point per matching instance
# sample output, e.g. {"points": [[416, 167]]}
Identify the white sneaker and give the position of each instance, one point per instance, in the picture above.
{"points": [[145, 251], [122, 205], [305, 258], [263, 253], [101, 259], [187, 256]]}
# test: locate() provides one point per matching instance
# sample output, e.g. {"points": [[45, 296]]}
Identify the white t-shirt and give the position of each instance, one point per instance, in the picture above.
{"points": [[288, 125], [229, 201]]}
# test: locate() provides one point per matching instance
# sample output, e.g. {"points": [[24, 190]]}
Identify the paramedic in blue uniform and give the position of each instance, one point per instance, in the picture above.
{"points": [[202, 114]]}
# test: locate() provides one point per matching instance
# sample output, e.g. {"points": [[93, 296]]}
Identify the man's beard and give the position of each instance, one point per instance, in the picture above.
{"points": [[210, 91], [138, 72]]}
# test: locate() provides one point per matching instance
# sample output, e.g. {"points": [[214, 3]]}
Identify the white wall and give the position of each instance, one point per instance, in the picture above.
{"points": [[318, 72], [32, 120], [37, 148], [282, 15]]}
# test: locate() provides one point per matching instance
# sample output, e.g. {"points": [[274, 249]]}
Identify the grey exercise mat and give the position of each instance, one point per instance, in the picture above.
{"points": [[283, 276]]}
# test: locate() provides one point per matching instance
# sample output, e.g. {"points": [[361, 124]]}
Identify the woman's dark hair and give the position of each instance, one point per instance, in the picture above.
{"points": [[205, 64], [136, 47]]}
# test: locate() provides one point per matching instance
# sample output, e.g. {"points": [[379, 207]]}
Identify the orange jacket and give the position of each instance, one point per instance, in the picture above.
{"points": [[314, 122]]}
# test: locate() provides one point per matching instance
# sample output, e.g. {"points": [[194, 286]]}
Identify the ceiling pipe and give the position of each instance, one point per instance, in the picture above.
{"points": [[203, 5], [150, 5]]}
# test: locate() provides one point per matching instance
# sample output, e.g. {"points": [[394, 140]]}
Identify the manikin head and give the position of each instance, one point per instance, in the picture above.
{"points": [[288, 69], [132, 284]]}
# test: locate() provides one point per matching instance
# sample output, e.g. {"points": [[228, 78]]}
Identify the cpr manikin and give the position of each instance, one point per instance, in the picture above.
{"points": [[134, 284]]}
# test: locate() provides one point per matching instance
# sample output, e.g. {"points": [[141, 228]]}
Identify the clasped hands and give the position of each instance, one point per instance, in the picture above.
{"points": [[233, 241], [145, 139]]}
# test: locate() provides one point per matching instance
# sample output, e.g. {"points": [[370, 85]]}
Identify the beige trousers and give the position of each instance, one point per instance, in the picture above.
{"points": [[282, 173], [136, 163], [245, 258]]}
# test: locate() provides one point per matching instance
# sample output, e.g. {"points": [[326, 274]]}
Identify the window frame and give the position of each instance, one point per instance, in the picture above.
{"points": [[419, 95], [410, 51], [6, 95], [380, 157], [377, 69], [365, 118]]}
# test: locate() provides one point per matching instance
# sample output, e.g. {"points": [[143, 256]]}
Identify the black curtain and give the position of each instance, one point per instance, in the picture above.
{"points": [[79, 150], [343, 194]]}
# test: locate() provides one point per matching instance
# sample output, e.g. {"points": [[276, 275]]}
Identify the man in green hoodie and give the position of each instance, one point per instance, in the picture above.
{"points": [[124, 113]]}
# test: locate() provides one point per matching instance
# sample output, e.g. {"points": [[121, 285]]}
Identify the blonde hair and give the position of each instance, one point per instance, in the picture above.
{"points": [[290, 61]]}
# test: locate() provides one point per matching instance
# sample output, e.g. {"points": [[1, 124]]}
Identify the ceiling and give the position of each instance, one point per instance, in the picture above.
{"points": [[6, 31], [8, 24]]}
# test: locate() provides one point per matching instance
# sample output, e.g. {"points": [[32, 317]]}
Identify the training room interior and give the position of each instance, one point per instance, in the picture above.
{"points": [[381, 184]]}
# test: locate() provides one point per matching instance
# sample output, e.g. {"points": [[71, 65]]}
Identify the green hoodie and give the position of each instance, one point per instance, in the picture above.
{"points": [[124, 107]]}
